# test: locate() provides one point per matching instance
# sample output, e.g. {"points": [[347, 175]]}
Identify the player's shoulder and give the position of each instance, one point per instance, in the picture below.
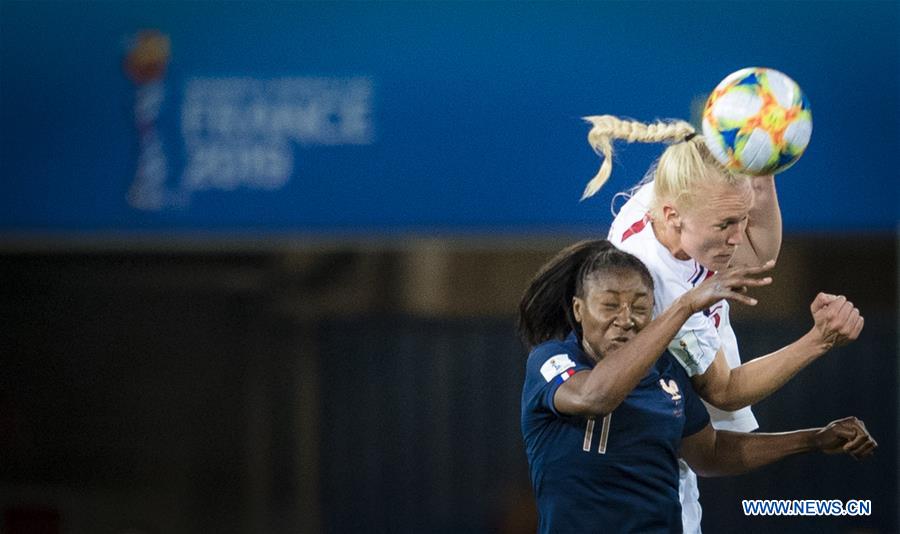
{"points": [[547, 349], [553, 356], [640, 241], [638, 204], [631, 229]]}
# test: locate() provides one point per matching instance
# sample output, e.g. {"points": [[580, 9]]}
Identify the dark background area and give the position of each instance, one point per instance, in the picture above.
{"points": [[300, 391]]}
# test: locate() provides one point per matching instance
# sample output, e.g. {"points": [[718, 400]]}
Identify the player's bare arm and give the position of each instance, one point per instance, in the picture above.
{"points": [[836, 322], [763, 232], [713, 452]]}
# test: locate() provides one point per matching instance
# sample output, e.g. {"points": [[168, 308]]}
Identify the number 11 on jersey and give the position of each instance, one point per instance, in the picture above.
{"points": [[589, 434]]}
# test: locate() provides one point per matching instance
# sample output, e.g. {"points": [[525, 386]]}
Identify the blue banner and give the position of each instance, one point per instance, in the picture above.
{"points": [[411, 118]]}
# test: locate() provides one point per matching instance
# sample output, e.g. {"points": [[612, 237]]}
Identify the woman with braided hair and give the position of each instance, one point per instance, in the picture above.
{"points": [[687, 219]]}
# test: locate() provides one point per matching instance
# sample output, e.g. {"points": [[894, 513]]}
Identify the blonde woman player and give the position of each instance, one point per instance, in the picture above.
{"points": [[689, 218]]}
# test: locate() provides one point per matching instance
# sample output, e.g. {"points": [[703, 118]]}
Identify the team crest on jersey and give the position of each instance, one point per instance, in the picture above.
{"points": [[670, 387], [556, 365]]}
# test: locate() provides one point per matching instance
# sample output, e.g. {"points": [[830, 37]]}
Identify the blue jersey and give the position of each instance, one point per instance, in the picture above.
{"points": [[617, 473]]}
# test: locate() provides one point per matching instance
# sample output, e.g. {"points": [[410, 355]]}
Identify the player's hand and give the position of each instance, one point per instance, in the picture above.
{"points": [[846, 436], [729, 284], [837, 320]]}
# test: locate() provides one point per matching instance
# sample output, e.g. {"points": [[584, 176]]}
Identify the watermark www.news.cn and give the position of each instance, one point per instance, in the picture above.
{"points": [[808, 507]]}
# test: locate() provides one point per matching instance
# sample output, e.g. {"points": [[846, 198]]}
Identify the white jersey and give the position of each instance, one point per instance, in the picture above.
{"points": [[696, 343]]}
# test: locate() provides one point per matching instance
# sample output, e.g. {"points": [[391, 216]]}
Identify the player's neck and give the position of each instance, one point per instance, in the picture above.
{"points": [[670, 238], [586, 347]]}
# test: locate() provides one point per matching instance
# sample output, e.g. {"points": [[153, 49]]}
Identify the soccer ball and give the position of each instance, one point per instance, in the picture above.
{"points": [[757, 121]]}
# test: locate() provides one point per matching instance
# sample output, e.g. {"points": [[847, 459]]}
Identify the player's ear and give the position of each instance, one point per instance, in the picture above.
{"points": [[671, 216], [577, 308]]}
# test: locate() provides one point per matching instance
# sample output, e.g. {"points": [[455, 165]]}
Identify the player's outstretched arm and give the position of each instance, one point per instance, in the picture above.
{"points": [[713, 452], [763, 232], [600, 390], [836, 322]]}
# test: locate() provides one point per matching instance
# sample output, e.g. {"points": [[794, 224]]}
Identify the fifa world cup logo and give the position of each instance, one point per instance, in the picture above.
{"points": [[145, 63]]}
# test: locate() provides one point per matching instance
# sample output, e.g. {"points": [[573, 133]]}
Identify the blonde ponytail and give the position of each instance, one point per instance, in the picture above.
{"points": [[607, 128]]}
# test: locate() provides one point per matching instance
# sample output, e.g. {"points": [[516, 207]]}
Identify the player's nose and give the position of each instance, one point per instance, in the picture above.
{"points": [[736, 237], [624, 319]]}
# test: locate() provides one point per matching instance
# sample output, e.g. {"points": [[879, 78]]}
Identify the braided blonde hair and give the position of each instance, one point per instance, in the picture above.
{"points": [[685, 164]]}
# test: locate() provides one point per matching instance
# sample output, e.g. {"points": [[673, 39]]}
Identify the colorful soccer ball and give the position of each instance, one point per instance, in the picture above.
{"points": [[757, 121]]}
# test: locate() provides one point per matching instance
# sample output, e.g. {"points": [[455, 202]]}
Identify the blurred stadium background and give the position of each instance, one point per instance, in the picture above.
{"points": [[262, 260]]}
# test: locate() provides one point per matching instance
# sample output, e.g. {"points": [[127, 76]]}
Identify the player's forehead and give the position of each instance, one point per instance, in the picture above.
{"points": [[619, 281], [719, 201]]}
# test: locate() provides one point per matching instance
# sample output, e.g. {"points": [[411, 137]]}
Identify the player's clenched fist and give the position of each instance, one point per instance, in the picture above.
{"points": [[848, 436], [837, 320]]}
